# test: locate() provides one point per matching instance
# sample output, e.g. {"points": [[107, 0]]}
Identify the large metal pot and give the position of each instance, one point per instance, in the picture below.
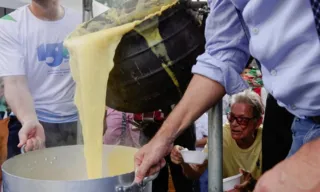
{"points": [[62, 169]]}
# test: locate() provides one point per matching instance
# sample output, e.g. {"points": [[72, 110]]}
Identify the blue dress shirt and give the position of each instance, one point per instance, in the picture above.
{"points": [[283, 38]]}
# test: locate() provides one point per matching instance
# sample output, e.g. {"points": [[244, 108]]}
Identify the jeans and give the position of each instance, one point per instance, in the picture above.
{"points": [[13, 139], [303, 131], [204, 182]]}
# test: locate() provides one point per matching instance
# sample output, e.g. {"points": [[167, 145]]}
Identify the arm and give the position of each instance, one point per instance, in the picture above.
{"points": [[202, 142], [298, 173], [194, 171], [201, 94], [217, 71], [190, 170], [19, 98], [17, 94]]}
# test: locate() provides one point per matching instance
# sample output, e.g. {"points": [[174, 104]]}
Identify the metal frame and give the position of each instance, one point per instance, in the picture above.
{"points": [[87, 10], [215, 149]]}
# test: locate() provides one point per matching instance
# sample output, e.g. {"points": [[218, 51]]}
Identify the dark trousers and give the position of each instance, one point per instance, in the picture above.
{"points": [[56, 135], [13, 139], [2, 113], [277, 135], [181, 183]]}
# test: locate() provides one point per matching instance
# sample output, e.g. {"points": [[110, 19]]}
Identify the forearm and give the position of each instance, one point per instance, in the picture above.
{"points": [[300, 171], [19, 98], [193, 171], [309, 156], [201, 94]]}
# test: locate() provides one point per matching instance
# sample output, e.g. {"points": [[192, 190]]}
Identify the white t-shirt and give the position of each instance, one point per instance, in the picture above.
{"points": [[34, 48], [201, 126]]}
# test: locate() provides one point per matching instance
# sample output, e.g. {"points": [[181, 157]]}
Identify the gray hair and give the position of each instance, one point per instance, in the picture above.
{"points": [[251, 98]]}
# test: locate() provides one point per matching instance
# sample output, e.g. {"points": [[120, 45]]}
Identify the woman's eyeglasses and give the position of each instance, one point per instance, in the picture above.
{"points": [[240, 120]]}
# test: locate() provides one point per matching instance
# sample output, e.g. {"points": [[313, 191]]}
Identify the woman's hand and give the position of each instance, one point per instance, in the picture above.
{"points": [[176, 156], [245, 185]]}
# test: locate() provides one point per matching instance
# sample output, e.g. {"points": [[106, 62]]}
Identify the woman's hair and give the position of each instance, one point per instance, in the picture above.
{"points": [[251, 98]]}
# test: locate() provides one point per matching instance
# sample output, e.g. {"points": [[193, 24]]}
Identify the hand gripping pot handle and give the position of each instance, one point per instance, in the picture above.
{"points": [[141, 185]]}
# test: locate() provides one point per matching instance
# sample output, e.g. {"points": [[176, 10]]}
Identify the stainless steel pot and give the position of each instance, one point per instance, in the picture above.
{"points": [[63, 169]]}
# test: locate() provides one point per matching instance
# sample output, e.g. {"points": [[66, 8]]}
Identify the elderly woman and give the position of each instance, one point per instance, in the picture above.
{"points": [[241, 142]]}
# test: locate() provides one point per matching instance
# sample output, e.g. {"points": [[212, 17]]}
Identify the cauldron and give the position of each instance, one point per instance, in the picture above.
{"points": [[138, 81], [63, 169]]}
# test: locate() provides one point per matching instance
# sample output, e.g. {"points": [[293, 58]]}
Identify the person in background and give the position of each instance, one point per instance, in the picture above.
{"points": [[135, 130], [201, 126], [242, 139], [120, 129], [277, 135], [253, 76], [35, 68], [148, 124]]}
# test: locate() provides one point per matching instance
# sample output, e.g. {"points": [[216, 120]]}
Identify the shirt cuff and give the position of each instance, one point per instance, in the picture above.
{"points": [[221, 72]]}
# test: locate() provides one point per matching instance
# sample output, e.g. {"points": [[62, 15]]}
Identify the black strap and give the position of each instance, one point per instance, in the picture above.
{"points": [[315, 4], [246, 30], [123, 128]]}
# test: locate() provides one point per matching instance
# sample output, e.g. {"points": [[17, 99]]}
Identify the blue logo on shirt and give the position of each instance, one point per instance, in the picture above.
{"points": [[52, 54]]}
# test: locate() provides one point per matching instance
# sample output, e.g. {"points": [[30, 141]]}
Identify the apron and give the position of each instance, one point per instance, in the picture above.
{"points": [[4, 133]]}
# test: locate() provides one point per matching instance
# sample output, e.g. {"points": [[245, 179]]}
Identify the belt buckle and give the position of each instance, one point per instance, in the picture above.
{"points": [[148, 118]]}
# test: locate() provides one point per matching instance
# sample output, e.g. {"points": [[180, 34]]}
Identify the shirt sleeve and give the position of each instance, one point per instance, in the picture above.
{"points": [[227, 48], [201, 125], [11, 50], [205, 125]]}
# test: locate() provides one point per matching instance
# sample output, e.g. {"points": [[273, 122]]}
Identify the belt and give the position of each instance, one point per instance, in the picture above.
{"points": [[151, 116], [316, 119]]}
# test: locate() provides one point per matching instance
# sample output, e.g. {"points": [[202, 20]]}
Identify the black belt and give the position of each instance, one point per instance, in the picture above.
{"points": [[316, 119]]}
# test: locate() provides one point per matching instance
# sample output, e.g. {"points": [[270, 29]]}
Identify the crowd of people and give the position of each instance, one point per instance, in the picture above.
{"points": [[37, 90], [242, 141]]}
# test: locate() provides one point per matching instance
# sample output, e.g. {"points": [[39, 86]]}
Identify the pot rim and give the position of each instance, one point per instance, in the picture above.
{"points": [[8, 161]]}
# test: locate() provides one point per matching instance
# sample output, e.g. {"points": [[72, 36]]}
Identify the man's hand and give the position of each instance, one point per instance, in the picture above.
{"points": [[32, 136], [176, 156], [299, 173], [149, 159], [201, 94]]}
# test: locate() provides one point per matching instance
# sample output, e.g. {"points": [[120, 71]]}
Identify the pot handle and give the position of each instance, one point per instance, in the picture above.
{"points": [[23, 151], [141, 185]]}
